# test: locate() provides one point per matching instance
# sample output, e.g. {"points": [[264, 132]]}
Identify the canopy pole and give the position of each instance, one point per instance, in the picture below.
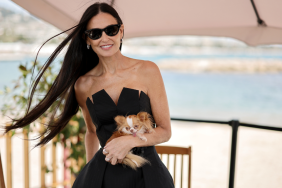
{"points": [[260, 21]]}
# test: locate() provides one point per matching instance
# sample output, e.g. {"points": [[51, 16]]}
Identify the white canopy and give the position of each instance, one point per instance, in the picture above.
{"points": [[229, 18]]}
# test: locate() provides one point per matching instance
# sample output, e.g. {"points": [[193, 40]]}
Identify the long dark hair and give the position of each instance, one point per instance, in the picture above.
{"points": [[78, 60]]}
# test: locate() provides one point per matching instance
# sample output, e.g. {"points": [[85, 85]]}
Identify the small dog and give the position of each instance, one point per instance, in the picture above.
{"points": [[136, 125]]}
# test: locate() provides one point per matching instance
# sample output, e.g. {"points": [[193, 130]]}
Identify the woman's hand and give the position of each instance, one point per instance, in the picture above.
{"points": [[118, 148]]}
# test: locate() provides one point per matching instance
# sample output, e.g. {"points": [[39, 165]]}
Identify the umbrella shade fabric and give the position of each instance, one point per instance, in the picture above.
{"points": [[227, 18]]}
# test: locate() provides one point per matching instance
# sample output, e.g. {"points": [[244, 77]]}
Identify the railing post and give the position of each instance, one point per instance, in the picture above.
{"points": [[26, 159], [54, 160], [9, 158], [235, 124], [42, 160]]}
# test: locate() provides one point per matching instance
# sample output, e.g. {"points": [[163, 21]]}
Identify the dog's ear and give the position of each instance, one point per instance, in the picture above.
{"points": [[142, 116], [120, 120], [146, 121]]}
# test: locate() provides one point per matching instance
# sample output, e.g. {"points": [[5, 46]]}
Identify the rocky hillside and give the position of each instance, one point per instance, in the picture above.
{"points": [[25, 28]]}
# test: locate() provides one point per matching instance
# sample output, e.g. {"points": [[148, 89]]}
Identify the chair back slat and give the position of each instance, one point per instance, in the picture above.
{"points": [[174, 167], [167, 162], [182, 171], [189, 170], [170, 150]]}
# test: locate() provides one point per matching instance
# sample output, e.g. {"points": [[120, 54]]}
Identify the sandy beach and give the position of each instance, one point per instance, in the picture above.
{"points": [[258, 162]]}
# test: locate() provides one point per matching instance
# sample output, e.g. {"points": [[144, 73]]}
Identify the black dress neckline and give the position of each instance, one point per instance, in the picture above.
{"points": [[110, 98]]}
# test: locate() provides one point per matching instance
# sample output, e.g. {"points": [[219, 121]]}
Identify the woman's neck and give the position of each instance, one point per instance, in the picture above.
{"points": [[110, 64]]}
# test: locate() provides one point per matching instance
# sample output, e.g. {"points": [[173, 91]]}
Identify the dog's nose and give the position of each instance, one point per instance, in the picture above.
{"points": [[131, 130]]}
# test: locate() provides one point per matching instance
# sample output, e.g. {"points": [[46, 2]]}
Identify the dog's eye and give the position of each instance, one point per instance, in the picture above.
{"points": [[127, 128], [136, 126]]}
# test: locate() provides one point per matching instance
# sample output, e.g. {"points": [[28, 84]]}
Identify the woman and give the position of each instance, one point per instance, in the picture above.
{"points": [[96, 77]]}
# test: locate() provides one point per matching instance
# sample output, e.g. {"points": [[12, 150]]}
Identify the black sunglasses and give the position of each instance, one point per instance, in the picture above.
{"points": [[110, 30]]}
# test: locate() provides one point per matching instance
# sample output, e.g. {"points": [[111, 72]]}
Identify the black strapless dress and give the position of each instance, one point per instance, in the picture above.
{"points": [[98, 173]]}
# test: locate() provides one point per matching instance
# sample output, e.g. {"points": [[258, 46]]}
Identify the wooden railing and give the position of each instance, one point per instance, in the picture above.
{"points": [[26, 172]]}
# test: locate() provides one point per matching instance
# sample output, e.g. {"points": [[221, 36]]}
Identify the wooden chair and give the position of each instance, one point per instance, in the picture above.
{"points": [[2, 183], [169, 150]]}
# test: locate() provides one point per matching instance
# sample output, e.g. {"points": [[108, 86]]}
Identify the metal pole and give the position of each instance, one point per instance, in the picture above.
{"points": [[259, 20], [235, 124]]}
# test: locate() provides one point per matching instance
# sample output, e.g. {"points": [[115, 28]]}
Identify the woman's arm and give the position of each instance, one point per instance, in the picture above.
{"points": [[151, 76], [91, 145], [159, 106], [91, 139]]}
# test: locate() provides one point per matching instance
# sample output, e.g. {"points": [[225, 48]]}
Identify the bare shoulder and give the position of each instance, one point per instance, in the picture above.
{"points": [[149, 73], [82, 87], [82, 84], [148, 67]]}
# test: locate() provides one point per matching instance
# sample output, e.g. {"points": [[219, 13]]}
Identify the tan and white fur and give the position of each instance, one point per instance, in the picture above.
{"points": [[136, 125]]}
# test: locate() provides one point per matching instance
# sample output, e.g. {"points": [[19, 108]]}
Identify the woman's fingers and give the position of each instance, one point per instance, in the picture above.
{"points": [[117, 150], [114, 161], [120, 161], [108, 158], [105, 152]]}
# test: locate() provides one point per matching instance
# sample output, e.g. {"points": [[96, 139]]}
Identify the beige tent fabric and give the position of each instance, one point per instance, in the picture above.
{"points": [[229, 18]]}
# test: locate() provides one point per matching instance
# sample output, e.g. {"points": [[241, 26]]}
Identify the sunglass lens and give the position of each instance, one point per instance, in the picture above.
{"points": [[112, 30], [95, 34]]}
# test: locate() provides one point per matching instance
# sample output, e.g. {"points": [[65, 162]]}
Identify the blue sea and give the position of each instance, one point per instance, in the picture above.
{"points": [[250, 98]]}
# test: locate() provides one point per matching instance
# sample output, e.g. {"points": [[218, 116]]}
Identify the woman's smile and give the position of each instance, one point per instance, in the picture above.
{"points": [[107, 47]]}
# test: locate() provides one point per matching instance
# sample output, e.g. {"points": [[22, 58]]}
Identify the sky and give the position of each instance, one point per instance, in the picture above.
{"points": [[8, 4]]}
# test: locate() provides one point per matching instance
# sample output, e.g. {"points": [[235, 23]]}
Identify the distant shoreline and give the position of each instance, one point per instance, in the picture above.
{"points": [[20, 51], [222, 65], [13, 52]]}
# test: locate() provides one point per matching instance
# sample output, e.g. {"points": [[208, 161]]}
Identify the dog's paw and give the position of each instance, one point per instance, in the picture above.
{"points": [[143, 138]]}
